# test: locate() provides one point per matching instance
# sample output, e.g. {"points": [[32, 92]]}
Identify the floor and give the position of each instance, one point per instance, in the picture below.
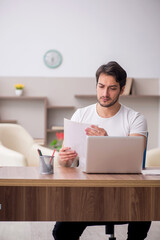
{"points": [[43, 231]]}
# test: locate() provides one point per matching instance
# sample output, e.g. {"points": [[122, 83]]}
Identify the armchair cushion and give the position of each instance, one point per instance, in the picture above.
{"points": [[9, 157]]}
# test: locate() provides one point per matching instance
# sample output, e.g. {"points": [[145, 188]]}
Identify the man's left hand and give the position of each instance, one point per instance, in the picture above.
{"points": [[95, 131]]}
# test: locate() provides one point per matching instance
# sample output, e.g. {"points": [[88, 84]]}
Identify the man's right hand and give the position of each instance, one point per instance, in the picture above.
{"points": [[66, 156]]}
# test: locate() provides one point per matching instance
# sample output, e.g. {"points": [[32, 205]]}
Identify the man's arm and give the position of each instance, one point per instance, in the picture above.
{"points": [[66, 156], [95, 131], [145, 138]]}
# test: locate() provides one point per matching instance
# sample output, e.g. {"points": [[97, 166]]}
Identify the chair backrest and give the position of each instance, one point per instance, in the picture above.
{"points": [[144, 155], [15, 137]]}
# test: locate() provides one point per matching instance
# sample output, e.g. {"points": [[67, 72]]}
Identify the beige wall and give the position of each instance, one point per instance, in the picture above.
{"points": [[61, 92]]}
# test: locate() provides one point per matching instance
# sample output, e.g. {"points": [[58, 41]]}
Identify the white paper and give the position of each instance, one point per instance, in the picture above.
{"points": [[151, 171], [75, 138]]}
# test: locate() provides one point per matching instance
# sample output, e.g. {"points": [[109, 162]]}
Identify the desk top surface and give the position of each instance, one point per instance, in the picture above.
{"points": [[72, 177]]}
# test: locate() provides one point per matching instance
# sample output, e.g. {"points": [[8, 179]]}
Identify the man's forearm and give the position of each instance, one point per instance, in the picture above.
{"points": [[64, 163]]}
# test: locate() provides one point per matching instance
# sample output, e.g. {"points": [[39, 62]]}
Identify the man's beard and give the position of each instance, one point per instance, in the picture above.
{"points": [[109, 104]]}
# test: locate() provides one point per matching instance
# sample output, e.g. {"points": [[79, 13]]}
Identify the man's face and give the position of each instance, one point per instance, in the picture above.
{"points": [[108, 90]]}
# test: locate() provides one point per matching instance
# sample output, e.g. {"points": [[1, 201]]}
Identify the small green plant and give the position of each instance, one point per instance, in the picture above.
{"points": [[57, 143]]}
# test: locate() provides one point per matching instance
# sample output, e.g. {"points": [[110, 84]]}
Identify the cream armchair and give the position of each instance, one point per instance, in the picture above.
{"points": [[153, 158], [17, 147]]}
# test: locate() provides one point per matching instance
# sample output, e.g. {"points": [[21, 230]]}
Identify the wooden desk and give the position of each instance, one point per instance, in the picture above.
{"points": [[70, 195]]}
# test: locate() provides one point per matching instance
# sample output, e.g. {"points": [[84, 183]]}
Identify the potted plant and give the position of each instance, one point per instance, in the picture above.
{"points": [[19, 89]]}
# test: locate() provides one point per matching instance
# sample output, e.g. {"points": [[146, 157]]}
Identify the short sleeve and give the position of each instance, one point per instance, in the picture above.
{"points": [[76, 116], [138, 125]]}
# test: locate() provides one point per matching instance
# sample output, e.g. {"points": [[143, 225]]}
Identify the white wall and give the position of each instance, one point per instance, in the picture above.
{"points": [[86, 32]]}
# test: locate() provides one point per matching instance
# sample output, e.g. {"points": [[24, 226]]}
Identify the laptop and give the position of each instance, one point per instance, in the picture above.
{"points": [[114, 154]]}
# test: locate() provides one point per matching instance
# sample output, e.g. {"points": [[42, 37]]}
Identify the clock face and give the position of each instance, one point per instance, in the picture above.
{"points": [[52, 59]]}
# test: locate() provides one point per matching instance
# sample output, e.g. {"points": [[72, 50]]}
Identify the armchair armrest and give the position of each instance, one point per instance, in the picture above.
{"points": [[9, 157], [33, 158]]}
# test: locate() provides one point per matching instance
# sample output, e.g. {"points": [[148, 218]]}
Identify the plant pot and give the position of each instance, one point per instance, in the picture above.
{"points": [[19, 92]]}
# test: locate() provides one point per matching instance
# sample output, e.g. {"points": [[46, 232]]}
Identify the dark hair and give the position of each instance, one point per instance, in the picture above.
{"points": [[115, 70]]}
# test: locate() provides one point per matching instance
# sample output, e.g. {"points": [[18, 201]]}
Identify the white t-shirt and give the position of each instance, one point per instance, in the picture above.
{"points": [[125, 122]]}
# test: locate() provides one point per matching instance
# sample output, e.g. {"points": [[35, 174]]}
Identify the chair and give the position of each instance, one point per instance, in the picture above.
{"points": [[17, 147], [153, 158], [109, 228]]}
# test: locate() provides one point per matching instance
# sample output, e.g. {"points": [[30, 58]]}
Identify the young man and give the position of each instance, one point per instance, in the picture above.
{"points": [[109, 118]]}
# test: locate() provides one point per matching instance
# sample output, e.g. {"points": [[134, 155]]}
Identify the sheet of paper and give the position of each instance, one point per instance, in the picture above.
{"points": [[151, 171], [75, 138]]}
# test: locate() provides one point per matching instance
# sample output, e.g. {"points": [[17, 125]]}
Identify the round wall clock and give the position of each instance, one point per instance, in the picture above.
{"points": [[52, 58]]}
